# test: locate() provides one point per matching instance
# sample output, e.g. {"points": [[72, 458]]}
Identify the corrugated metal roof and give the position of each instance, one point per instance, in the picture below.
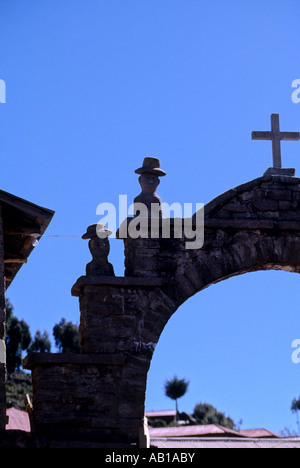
{"points": [[220, 442], [192, 431], [258, 433]]}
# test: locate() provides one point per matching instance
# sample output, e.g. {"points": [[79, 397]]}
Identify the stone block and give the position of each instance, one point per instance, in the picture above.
{"points": [[264, 204], [288, 205], [277, 194], [236, 207]]}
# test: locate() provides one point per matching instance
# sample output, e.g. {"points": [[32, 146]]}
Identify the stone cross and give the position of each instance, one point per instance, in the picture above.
{"points": [[275, 135]]}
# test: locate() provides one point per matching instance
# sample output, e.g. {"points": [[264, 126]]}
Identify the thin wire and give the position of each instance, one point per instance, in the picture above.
{"points": [[59, 235]]}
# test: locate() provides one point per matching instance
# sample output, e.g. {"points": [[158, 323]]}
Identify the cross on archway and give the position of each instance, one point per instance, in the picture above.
{"points": [[275, 135]]}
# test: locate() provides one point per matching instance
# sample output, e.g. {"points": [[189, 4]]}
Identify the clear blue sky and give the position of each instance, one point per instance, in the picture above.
{"points": [[95, 86]]}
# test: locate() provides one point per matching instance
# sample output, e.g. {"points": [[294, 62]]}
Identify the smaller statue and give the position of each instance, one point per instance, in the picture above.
{"points": [[99, 248]]}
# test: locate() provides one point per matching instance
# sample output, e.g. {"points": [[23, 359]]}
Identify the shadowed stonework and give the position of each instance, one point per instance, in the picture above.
{"points": [[96, 398]]}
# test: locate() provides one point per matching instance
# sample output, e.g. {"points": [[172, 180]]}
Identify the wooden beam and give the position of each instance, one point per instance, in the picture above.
{"points": [[15, 260]]}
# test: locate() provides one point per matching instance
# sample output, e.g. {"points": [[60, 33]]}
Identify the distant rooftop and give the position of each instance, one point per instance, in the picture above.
{"points": [[223, 442], [258, 433], [160, 414], [204, 430], [17, 420], [201, 430]]}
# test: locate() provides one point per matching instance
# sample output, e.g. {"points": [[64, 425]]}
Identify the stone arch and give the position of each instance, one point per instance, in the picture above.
{"points": [[255, 226]]}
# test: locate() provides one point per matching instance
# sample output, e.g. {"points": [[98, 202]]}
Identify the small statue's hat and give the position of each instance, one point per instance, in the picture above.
{"points": [[94, 230], [151, 166]]}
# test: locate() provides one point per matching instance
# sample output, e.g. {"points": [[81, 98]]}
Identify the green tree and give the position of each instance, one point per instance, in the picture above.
{"points": [[295, 407], [18, 339], [66, 337], [41, 343], [17, 385], [175, 388], [204, 413]]}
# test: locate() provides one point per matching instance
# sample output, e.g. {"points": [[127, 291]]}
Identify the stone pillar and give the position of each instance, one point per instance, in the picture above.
{"points": [[142, 234], [2, 334], [114, 322], [153, 257], [95, 399]]}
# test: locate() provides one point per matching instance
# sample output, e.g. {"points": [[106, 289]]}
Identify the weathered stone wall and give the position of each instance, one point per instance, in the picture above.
{"points": [[98, 397], [2, 334], [76, 400]]}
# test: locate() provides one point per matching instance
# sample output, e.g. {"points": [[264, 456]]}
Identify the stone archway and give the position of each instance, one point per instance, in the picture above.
{"points": [[99, 395], [255, 226]]}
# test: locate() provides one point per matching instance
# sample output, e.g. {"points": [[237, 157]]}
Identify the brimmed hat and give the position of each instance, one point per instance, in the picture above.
{"points": [[95, 229], [152, 166]]}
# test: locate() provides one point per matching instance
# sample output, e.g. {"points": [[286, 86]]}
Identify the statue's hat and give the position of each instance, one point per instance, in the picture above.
{"points": [[94, 230], [152, 166]]}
